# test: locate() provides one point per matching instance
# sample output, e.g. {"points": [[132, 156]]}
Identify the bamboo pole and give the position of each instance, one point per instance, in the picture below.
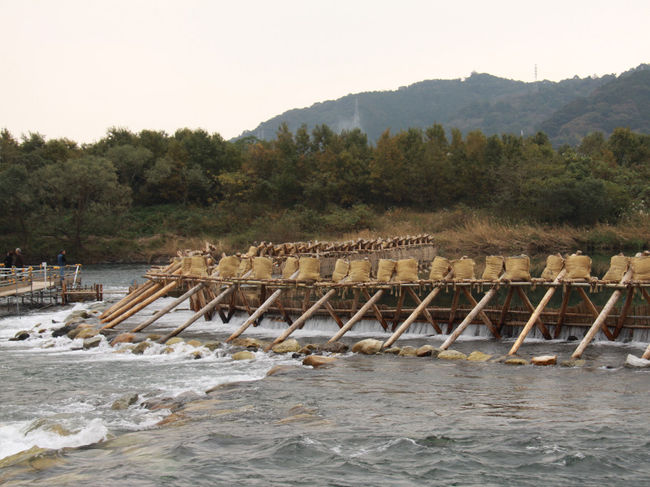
{"points": [[155, 287], [357, 316], [259, 311], [470, 317], [300, 321], [600, 321], [168, 308], [536, 314], [409, 321], [140, 306]]}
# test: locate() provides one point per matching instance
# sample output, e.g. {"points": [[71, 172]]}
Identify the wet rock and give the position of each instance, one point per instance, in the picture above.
{"points": [[452, 355], [140, 348], [334, 347], [573, 363], [72, 334], [195, 343], [516, 361], [248, 343], [477, 356], [499, 359], [306, 350], [174, 418], [173, 341], [92, 342], [544, 360], [125, 401], [243, 355], [87, 333], [393, 350], [153, 337], [80, 314], [196, 355], [20, 336], [64, 330], [288, 346], [318, 360], [637, 362], [572, 338], [281, 369], [427, 351], [369, 346], [168, 350], [22, 457], [408, 351], [212, 346], [187, 396], [123, 338]]}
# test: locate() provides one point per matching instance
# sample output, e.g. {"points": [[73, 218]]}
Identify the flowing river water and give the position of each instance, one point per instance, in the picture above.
{"points": [[366, 420]]}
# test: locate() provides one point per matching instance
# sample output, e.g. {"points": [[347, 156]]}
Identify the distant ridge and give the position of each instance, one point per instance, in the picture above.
{"points": [[566, 110]]}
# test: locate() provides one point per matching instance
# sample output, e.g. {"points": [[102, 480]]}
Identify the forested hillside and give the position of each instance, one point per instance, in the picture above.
{"points": [[133, 194], [567, 110]]}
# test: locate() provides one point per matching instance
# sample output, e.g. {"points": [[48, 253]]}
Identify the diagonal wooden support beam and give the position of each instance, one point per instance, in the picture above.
{"points": [[167, 308], [538, 320], [484, 317], [505, 308], [594, 310], [452, 312], [358, 315], [562, 313], [425, 311], [376, 310], [624, 311], [398, 309]]}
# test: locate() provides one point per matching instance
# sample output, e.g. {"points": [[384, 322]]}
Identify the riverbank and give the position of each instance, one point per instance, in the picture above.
{"points": [[156, 236]]}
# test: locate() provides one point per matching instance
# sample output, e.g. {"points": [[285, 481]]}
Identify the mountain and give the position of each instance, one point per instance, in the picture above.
{"points": [[567, 110]]}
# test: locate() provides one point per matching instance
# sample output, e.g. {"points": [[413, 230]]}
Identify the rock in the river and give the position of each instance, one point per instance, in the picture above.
{"points": [[306, 350], [318, 360], [195, 343], [288, 346], [123, 338], [20, 336], [477, 356], [87, 332], [243, 355], [369, 346], [573, 363], [92, 342], [174, 340], [281, 369], [393, 350], [634, 361], [154, 337], [544, 360], [427, 351], [248, 343], [64, 330], [451, 355], [125, 401], [141, 347], [516, 361], [334, 347], [408, 351], [212, 346]]}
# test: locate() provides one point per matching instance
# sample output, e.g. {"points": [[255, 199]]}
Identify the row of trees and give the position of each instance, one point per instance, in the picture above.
{"points": [[58, 187]]}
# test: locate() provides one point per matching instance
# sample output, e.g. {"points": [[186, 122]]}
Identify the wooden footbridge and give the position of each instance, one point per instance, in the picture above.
{"points": [[382, 280]]}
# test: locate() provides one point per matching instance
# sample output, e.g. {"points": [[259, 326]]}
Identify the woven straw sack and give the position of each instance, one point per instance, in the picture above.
{"points": [[554, 264], [406, 270], [245, 265], [578, 267], [617, 268], [290, 267], [262, 268], [493, 267], [463, 269], [340, 270], [439, 268], [309, 268], [228, 266], [518, 268], [641, 268], [385, 269], [360, 270]]}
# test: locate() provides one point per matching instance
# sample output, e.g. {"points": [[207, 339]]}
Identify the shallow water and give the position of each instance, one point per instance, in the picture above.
{"points": [[364, 421]]}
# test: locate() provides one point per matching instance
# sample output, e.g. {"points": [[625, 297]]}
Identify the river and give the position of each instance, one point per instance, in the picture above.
{"points": [[366, 420]]}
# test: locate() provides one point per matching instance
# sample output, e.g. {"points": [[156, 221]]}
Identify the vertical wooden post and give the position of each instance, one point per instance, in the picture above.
{"points": [[505, 308], [398, 310], [452, 311], [624, 311], [357, 316], [562, 313]]}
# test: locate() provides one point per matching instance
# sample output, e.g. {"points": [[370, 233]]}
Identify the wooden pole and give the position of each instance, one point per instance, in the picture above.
{"points": [[412, 317], [132, 302], [470, 317], [357, 316], [562, 313], [600, 321], [168, 308], [259, 311], [425, 311], [482, 314], [536, 314], [140, 306], [209, 307], [304, 317]]}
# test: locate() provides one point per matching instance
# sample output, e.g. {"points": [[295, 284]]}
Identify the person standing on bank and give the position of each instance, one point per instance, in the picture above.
{"points": [[9, 260], [18, 258], [61, 262]]}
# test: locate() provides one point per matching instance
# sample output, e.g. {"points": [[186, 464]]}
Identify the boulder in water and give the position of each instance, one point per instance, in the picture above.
{"points": [[288, 346], [141, 347], [195, 343], [408, 351], [637, 362], [477, 356], [243, 355], [154, 337], [248, 343], [516, 361], [123, 338], [573, 363], [212, 346], [280, 369], [125, 401], [20, 336], [544, 360], [92, 342], [452, 355], [427, 351], [393, 350], [369, 346], [334, 347], [87, 332], [318, 360], [174, 340], [64, 330]]}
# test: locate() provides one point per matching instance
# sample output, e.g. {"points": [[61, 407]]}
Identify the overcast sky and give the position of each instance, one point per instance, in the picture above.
{"points": [[73, 68]]}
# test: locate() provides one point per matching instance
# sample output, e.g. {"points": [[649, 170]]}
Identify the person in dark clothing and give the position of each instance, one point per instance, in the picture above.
{"points": [[61, 262], [18, 258], [9, 260]]}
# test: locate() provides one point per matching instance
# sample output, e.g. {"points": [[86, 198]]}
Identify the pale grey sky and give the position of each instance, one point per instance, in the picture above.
{"points": [[73, 68]]}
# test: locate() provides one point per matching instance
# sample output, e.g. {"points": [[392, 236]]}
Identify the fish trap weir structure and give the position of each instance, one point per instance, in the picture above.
{"points": [[397, 282]]}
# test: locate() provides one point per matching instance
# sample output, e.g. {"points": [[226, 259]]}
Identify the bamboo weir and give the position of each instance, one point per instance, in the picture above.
{"points": [[397, 282]]}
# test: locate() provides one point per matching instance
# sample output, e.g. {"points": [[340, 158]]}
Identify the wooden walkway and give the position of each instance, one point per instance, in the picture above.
{"points": [[12, 290]]}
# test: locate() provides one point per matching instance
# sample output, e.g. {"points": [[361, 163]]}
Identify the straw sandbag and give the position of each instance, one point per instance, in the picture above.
{"points": [[518, 268], [493, 267], [641, 268], [617, 268], [262, 268], [385, 269], [554, 264], [340, 270], [252, 251], [290, 267], [360, 270], [578, 266], [406, 270], [245, 265], [439, 268], [463, 269], [309, 268], [194, 266], [228, 266]]}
